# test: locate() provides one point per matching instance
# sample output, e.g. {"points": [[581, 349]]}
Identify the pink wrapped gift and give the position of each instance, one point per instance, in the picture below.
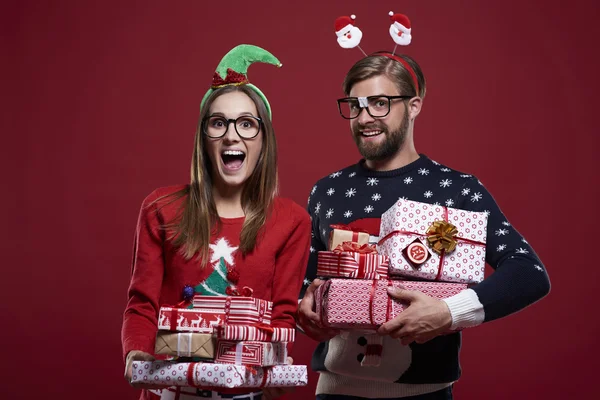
{"points": [[236, 309], [431, 242], [365, 304], [189, 320], [350, 260], [258, 332], [207, 376], [250, 353]]}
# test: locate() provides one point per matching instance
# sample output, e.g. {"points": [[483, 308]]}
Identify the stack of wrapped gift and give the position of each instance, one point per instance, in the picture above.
{"points": [[433, 249], [231, 344]]}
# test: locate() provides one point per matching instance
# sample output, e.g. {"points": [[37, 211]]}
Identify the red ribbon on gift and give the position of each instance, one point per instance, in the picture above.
{"points": [[355, 231], [266, 329], [266, 374], [443, 252], [388, 310], [190, 374], [344, 227]]}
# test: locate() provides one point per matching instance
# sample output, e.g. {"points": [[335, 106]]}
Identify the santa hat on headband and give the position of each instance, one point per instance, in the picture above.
{"points": [[343, 24]]}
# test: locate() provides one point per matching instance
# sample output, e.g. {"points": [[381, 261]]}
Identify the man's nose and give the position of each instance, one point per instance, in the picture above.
{"points": [[364, 117]]}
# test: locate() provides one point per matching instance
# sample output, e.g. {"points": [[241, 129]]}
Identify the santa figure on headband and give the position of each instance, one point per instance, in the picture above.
{"points": [[348, 35], [400, 29]]}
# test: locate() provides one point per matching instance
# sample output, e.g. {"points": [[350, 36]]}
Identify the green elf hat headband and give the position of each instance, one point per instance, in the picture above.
{"points": [[233, 69]]}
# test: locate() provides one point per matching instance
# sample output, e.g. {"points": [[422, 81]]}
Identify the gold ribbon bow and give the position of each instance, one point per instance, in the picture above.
{"points": [[440, 236]]}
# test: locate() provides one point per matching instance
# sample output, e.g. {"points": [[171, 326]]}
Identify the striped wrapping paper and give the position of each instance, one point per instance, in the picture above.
{"points": [[207, 376], [236, 309], [262, 354], [352, 265], [255, 333]]}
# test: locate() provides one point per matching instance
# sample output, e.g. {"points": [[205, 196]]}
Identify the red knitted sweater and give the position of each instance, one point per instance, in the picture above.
{"points": [[274, 269]]}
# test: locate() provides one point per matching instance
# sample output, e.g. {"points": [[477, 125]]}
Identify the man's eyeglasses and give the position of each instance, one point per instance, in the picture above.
{"points": [[377, 106], [246, 126]]}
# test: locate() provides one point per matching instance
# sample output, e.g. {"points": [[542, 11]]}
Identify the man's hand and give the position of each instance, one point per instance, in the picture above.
{"points": [[308, 318], [273, 393], [423, 319], [137, 355]]}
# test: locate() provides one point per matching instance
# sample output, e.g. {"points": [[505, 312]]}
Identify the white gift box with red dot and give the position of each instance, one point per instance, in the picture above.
{"points": [[208, 375], [408, 220]]}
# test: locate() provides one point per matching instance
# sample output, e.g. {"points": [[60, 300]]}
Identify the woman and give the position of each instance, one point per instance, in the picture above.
{"points": [[227, 230]]}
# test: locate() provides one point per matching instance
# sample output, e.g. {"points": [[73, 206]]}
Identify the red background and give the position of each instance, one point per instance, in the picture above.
{"points": [[99, 107]]}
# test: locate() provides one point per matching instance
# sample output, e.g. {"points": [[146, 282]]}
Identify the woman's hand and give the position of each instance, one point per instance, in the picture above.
{"points": [[138, 355]]}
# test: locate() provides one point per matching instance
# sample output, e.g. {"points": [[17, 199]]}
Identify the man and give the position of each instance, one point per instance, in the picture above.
{"points": [[385, 94]]}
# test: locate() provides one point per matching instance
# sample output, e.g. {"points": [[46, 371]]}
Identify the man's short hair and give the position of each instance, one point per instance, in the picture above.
{"points": [[376, 65]]}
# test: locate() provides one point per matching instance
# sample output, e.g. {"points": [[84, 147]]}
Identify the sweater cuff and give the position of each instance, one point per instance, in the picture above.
{"points": [[465, 309]]}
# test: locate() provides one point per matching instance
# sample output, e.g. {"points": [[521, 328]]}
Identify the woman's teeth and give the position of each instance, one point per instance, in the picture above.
{"points": [[233, 153]]}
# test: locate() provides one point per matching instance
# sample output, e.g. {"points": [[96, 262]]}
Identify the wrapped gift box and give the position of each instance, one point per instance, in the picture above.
{"points": [[188, 344], [259, 333], [206, 375], [263, 354], [350, 260], [343, 233], [236, 309], [365, 304], [411, 231], [189, 320]]}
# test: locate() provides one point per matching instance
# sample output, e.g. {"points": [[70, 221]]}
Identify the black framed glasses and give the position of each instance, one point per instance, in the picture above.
{"points": [[377, 106], [246, 126]]}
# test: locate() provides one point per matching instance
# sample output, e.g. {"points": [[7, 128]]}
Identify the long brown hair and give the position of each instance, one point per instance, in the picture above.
{"points": [[198, 217], [376, 65]]}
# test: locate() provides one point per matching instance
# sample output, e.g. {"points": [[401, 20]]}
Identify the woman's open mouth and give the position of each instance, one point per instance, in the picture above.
{"points": [[233, 159]]}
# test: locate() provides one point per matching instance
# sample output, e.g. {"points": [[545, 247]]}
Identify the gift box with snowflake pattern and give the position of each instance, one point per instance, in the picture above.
{"points": [[432, 242]]}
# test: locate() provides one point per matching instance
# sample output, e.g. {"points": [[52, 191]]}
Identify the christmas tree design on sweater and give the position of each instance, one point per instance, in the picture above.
{"points": [[224, 274]]}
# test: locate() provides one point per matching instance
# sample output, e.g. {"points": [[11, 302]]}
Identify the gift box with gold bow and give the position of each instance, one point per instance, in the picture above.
{"points": [[431, 242], [351, 260]]}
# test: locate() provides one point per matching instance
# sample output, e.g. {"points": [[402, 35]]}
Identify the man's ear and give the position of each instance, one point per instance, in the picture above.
{"points": [[414, 107]]}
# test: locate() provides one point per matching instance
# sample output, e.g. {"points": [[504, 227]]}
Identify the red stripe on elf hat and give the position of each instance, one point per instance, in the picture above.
{"points": [[404, 63]]}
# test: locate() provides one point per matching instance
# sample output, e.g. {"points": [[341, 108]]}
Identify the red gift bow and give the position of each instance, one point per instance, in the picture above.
{"points": [[443, 252], [355, 248], [233, 291]]}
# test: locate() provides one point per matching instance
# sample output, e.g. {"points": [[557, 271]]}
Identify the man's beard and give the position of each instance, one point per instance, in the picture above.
{"points": [[392, 143]]}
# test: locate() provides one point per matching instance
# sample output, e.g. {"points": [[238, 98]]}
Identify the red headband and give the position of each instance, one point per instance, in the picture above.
{"points": [[403, 62]]}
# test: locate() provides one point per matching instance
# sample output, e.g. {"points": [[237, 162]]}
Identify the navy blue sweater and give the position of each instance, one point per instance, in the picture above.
{"points": [[358, 196]]}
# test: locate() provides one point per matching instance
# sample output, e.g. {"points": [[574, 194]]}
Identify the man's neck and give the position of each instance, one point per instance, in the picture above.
{"points": [[403, 157]]}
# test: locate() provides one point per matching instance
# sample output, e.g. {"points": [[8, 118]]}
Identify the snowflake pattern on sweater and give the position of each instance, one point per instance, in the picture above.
{"points": [[358, 196]]}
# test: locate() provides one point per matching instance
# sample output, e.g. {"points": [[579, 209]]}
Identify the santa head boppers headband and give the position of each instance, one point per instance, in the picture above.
{"points": [[233, 70], [349, 36]]}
